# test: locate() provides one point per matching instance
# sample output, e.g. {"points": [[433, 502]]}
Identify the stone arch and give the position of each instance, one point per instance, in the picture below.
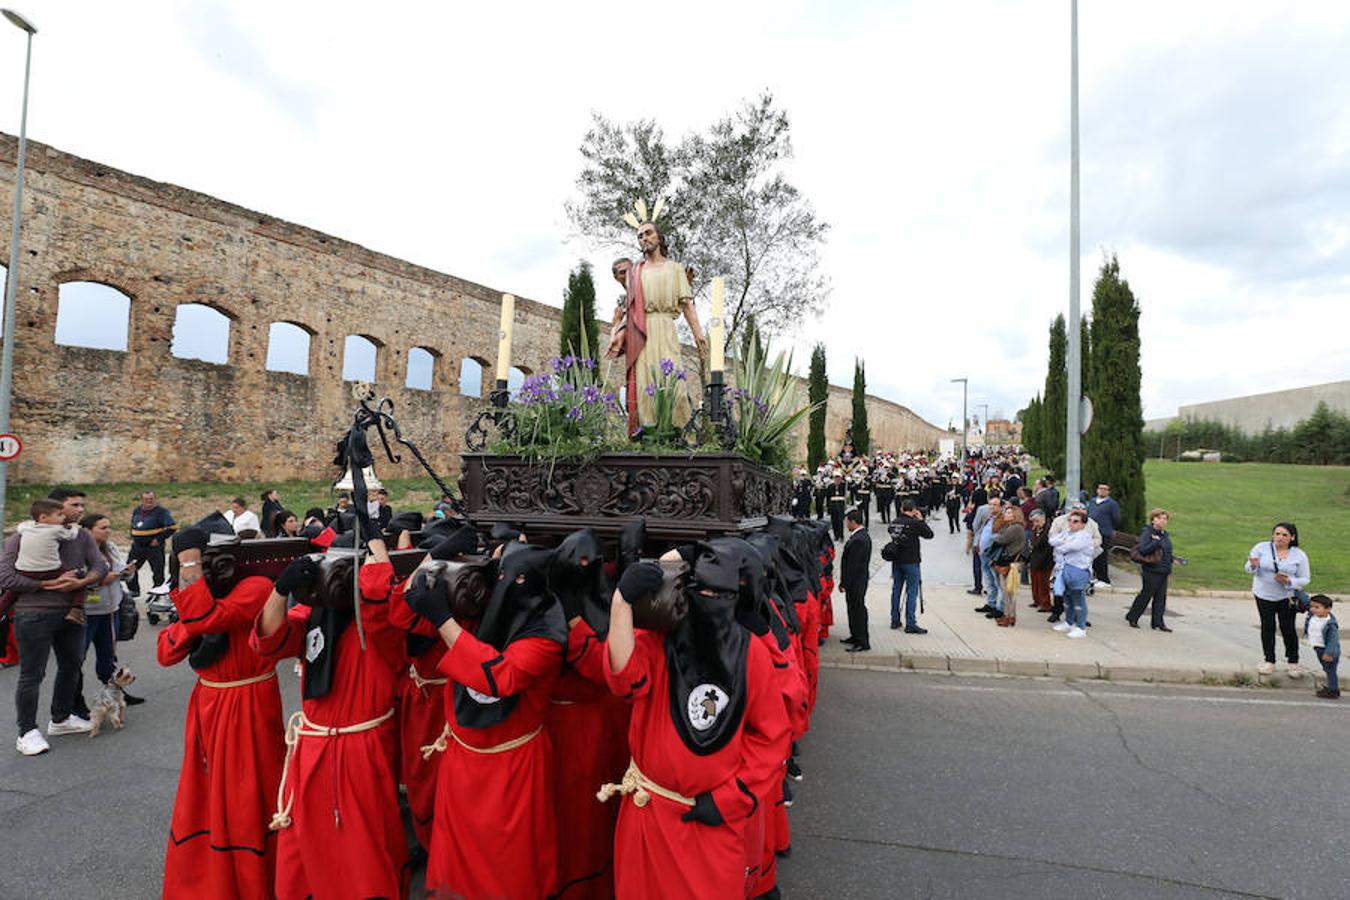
{"points": [[201, 331], [93, 314], [289, 345], [360, 357], [472, 375], [421, 372]]}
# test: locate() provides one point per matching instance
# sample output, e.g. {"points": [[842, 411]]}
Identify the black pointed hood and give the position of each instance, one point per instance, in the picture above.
{"points": [[706, 655], [767, 546], [577, 571]]}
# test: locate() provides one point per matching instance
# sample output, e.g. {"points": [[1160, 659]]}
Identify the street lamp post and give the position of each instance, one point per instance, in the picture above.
{"points": [[965, 419], [1073, 437], [985, 407], [12, 274]]}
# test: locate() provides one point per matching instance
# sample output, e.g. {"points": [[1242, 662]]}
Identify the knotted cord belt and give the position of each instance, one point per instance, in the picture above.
{"points": [[641, 787], [421, 682], [300, 726], [441, 744], [243, 682]]}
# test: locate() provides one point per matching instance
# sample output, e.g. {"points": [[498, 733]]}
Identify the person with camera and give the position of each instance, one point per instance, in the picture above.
{"points": [[908, 528]]}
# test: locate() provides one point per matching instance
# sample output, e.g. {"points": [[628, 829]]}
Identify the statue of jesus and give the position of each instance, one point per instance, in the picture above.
{"points": [[658, 293]]}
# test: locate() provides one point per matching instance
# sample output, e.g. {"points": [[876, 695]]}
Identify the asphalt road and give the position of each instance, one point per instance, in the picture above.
{"points": [[916, 786]]}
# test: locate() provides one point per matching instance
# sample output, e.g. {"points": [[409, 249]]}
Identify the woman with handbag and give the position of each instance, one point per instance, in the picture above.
{"points": [[1280, 571], [1154, 555], [1073, 553], [103, 604], [1010, 542]]}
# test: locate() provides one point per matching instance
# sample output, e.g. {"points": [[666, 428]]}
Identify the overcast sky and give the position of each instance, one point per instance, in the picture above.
{"points": [[932, 136]]}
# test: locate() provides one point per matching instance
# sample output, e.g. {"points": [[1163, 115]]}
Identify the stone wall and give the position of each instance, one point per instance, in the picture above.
{"points": [[102, 415], [1251, 414]]}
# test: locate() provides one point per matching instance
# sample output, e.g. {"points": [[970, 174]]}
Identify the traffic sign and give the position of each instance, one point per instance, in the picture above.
{"points": [[10, 447]]}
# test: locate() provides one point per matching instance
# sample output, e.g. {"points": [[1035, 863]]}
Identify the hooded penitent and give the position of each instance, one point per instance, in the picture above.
{"points": [[791, 568], [576, 578], [208, 649], [521, 607], [706, 655], [775, 585]]}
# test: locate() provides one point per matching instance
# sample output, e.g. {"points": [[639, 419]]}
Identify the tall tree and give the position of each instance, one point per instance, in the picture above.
{"points": [[862, 436], [1054, 418], [578, 314], [730, 209], [818, 391], [1114, 448]]}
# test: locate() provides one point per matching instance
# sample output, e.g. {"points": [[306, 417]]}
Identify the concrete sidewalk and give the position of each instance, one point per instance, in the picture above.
{"points": [[1215, 639]]}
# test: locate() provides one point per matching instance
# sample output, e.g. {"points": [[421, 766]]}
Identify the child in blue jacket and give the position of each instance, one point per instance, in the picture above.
{"points": [[1321, 630]]}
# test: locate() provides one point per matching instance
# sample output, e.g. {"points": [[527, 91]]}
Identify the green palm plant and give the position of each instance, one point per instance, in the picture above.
{"points": [[767, 406]]}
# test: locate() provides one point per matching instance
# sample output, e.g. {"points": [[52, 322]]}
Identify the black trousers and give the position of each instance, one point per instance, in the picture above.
{"points": [[1155, 591], [978, 569], [953, 519], [821, 498], [865, 506], [39, 635], [884, 501], [1272, 611], [1101, 568], [857, 618], [837, 519], [153, 555]]}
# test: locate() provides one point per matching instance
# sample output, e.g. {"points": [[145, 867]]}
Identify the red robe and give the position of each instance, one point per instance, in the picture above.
{"points": [[494, 834], [826, 595], [345, 838], [589, 728], [421, 716], [219, 843], [765, 773], [11, 657], [808, 614], [655, 853]]}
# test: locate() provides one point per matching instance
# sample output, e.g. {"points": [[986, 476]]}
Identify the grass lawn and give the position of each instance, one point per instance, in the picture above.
{"points": [[1220, 510], [189, 501]]}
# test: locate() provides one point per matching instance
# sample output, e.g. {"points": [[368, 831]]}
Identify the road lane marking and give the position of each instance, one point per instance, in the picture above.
{"points": [[1126, 695]]}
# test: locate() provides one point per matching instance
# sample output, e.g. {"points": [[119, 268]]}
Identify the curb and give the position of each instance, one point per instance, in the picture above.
{"points": [[896, 661]]}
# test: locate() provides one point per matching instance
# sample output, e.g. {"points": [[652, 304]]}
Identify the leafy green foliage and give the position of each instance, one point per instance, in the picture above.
{"points": [[1321, 439], [579, 331], [862, 436], [1054, 421], [730, 209], [818, 393], [1113, 448], [767, 407]]}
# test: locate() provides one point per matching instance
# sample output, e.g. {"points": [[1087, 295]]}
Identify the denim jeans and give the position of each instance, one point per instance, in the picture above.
{"points": [[1333, 683], [1075, 607], [904, 576], [994, 596], [99, 631], [39, 635]]}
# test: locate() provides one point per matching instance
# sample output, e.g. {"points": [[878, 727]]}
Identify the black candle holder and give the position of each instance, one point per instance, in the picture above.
{"points": [[496, 417]]}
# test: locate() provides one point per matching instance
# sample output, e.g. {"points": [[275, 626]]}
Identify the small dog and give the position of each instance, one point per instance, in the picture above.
{"points": [[110, 707]]}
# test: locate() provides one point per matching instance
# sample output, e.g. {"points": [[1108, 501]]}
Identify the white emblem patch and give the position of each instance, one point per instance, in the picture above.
{"points": [[706, 703], [479, 697], [313, 644]]}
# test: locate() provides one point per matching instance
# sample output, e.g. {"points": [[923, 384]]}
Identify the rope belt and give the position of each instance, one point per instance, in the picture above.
{"points": [[441, 744], [421, 682], [557, 702], [641, 787], [300, 726], [243, 682]]}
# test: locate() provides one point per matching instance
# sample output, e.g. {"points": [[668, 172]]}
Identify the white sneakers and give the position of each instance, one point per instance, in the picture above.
{"points": [[1062, 626], [1077, 633], [1295, 670], [32, 743], [1266, 668], [70, 725]]}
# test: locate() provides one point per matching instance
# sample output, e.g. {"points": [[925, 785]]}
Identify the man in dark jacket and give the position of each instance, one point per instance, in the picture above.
{"points": [[855, 569], [151, 527], [909, 527], [1105, 511], [1047, 498]]}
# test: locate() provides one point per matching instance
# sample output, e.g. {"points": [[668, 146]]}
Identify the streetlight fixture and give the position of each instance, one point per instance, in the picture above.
{"points": [[12, 274], [965, 419], [985, 407]]}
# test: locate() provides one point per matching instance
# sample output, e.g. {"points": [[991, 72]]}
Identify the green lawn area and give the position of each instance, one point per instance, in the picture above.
{"points": [[189, 501], [1220, 510]]}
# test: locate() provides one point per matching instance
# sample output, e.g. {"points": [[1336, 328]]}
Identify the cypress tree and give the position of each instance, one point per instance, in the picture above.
{"points": [[578, 314], [1054, 417], [818, 390], [862, 438], [1113, 448]]}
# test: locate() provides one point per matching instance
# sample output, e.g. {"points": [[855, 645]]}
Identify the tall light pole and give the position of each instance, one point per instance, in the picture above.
{"points": [[12, 274], [965, 419], [985, 407], [1072, 440]]}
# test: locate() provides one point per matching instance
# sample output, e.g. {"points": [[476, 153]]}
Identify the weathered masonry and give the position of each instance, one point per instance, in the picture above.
{"points": [[154, 252]]}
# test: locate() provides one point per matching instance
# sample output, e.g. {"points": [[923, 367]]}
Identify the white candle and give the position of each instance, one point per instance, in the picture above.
{"points": [[504, 337], [717, 330]]}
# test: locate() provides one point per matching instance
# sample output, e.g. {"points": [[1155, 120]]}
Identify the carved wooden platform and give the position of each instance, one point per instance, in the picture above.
{"points": [[681, 497]]}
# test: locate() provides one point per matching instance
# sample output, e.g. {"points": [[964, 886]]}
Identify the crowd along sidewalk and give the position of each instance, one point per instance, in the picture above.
{"points": [[1215, 638]]}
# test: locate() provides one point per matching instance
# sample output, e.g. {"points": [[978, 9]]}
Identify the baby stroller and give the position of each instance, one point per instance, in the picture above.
{"points": [[159, 606]]}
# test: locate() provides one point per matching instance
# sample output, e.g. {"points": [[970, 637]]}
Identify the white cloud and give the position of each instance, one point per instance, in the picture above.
{"points": [[932, 136]]}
